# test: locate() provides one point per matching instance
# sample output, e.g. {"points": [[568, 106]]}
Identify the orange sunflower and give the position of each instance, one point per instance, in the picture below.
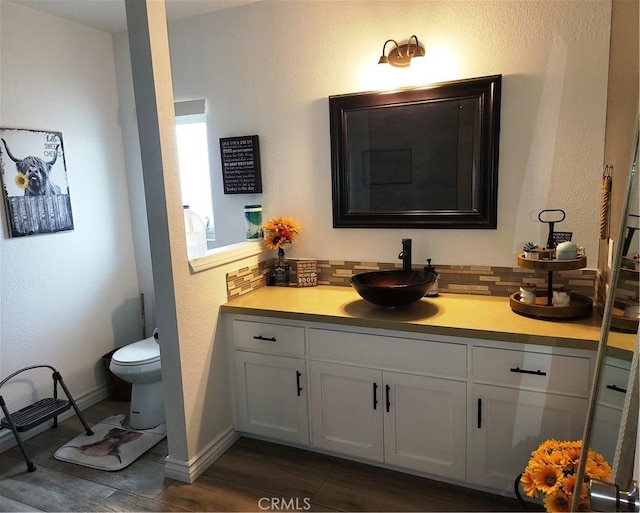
{"points": [[547, 478], [548, 446], [558, 458], [557, 502], [572, 450], [528, 484], [599, 471]]}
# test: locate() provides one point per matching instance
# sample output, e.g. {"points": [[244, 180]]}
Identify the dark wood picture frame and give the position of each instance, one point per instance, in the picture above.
{"points": [[399, 167]]}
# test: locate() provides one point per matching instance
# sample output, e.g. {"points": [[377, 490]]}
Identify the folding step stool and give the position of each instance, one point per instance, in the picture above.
{"points": [[38, 412]]}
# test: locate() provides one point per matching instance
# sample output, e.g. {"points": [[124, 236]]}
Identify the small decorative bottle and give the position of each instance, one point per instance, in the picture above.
{"points": [[281, 269], [433, 291]]}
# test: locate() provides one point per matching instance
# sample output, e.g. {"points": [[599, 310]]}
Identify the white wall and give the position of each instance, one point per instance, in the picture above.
{"points": [[70, 297], [267, 68]]}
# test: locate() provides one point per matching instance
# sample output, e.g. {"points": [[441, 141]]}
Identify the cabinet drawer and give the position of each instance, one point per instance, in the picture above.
{"points": [[613, 385], [552, 373], [268, 338], [385, 352]]}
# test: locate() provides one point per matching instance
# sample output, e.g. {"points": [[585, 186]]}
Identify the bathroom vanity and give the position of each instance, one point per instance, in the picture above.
{"points": [[457, 388]]}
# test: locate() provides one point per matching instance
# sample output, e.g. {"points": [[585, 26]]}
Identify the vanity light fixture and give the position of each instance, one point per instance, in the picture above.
{"points": [[401, 55]]}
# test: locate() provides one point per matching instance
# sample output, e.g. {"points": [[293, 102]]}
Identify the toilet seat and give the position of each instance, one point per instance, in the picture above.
{"points": [[141, 352]]}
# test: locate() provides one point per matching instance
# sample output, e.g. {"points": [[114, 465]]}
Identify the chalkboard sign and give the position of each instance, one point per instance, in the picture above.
{"points": [[240, 164]]}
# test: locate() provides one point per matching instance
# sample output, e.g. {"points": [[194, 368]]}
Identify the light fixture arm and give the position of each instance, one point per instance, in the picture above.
{"points": [[401, 55], [383, 58], [409, 46], [384, 47]]}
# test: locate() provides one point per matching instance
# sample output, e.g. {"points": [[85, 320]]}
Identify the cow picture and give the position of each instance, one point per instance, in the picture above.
{"points": [[35, 173], [34, 179]]}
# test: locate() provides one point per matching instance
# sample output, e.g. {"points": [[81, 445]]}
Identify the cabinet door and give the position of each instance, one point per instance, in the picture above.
{"points": [[346, 409], [425, 424], [272, 396], [509, 424]]}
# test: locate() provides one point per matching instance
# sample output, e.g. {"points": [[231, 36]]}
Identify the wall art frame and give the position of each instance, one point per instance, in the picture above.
{"points": [[34, 182], [240, 159]]}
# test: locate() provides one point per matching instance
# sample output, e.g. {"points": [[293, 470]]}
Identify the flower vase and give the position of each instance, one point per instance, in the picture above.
{"points": [[281, 269]]}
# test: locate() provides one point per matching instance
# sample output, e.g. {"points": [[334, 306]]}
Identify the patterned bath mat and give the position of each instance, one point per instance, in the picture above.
{"points": [[111, 447]]}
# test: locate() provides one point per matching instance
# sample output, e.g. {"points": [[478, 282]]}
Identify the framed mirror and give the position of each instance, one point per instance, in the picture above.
{"points": [[611, 427], [615, 387], [417, 158]]}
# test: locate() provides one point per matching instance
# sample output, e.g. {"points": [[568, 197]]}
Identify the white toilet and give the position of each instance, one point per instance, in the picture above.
{"points": [[139, 364]]}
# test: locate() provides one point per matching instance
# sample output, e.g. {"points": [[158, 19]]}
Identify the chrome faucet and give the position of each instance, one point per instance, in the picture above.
{"points": [[405, 254]]}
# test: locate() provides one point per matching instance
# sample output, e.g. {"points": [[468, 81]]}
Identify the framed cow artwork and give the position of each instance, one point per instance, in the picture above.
{"points": [[34, 182]]}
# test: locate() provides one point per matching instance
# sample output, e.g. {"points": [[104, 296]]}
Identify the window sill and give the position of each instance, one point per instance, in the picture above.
{"points": [[225, 255]]}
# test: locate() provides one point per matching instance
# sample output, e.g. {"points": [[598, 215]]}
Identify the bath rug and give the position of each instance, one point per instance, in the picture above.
{"points": [[112, 446]]}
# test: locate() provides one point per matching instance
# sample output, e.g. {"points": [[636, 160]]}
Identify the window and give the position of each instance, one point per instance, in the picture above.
{"points": [[193, 160]]}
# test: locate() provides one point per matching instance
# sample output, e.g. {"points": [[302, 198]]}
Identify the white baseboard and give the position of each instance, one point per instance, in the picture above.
{"points": [[7, 440], [188, 471]]}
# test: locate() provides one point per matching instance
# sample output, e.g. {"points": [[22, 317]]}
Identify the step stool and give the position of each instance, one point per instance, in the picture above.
{"points": [[38, 412]]}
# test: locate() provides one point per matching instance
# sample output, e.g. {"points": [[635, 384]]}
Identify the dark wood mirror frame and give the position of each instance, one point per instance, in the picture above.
{"points": [[468, 164]]}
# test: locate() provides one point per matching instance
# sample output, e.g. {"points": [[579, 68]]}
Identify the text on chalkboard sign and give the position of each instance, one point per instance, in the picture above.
{"points": [[241, 164]]}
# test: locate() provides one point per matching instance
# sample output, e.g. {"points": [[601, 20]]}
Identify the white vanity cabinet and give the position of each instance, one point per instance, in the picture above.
{"points": [[462, 409], [519, 399], [395, 400], [271, 380]]}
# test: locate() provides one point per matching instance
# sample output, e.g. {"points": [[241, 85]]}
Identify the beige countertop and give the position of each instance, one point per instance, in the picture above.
{"points": [[474, 316]]}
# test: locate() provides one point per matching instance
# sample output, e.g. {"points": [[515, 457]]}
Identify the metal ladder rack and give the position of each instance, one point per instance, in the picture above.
{"points": [[39, 412]]}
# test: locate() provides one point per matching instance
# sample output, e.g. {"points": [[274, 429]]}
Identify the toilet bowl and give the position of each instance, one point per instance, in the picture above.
{"points": [[139, 364]]}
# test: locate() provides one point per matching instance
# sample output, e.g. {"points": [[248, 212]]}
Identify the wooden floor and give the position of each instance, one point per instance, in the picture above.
{"points": [[251, 476]]}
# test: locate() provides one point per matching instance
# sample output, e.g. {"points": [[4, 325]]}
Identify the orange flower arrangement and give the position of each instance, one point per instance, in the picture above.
{"points": [[280, 231], [550, 474]]}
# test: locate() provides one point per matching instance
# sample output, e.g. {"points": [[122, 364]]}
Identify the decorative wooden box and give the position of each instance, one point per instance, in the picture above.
{"points": [[307, 273]]}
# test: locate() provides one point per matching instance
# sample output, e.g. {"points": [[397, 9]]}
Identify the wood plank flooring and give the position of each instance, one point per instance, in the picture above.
{"points": [[251, 476]]}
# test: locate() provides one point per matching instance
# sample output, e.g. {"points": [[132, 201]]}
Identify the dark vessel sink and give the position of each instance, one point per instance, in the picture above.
{"points": [[393, 288]]}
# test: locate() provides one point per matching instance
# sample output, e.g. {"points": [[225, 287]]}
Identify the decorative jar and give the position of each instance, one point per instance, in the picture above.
{"points": [[528, 293]]}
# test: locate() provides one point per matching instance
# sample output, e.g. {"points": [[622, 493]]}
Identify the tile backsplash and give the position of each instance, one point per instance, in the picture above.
{"points": [[246, 279], [454, 279]]}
